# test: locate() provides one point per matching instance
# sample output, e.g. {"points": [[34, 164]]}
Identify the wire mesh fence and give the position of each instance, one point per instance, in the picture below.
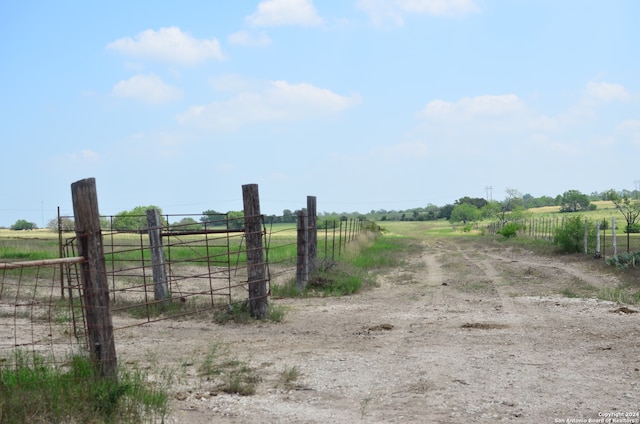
{"points": [[36, 324], [43, 304], [602, 238]]}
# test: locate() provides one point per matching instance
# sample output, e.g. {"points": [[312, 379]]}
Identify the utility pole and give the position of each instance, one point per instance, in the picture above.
{"points": [[489, 193]]}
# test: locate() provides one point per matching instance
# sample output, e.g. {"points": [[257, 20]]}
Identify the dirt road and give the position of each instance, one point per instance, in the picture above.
{"points": [[461, 332]]}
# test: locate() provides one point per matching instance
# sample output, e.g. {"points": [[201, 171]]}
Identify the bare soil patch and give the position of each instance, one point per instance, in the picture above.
{"points": [[462, 332]]}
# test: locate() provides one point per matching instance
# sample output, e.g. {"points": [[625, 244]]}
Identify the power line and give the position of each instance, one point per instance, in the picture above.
{"points": [[489, 189]]}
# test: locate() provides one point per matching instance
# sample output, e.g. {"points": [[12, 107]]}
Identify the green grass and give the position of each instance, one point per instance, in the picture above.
{"points": [[224, 373], [33, 391], [355, 269], [620, 295], [289, 375]]}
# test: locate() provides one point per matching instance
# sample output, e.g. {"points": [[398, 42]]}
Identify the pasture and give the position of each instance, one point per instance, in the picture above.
{"points": [[457, 327]]}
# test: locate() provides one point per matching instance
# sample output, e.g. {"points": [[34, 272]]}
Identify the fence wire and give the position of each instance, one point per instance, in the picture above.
{"points": [[37, 326], [42, 303]]}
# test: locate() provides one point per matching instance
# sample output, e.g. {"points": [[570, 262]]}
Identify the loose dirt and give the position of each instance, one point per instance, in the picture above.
{"points": [[461, 332]]}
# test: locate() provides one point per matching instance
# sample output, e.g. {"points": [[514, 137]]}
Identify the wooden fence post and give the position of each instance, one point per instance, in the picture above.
{"points": [[613, 236], [313, 233], [302, 274], [160, 280], [258, 301], [604, 239], [94, 277], [598, 255]]}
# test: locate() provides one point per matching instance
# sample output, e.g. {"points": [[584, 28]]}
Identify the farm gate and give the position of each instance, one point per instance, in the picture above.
{"points": [[110, 278]]}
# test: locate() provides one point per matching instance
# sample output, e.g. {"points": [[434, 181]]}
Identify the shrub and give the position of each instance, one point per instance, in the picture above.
{"points": [[633, 228], [510, 230], [624, 260], [570, 239]]}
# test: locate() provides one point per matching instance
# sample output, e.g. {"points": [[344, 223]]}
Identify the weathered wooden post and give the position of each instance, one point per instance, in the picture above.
{"points": [[258, 301], [302, 271], [313, 233], [94, 277], [604, 238], [613, 236], [160, 280], [598, 255]]}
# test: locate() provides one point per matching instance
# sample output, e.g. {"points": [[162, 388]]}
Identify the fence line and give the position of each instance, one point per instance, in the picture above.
{"points": [[208, 269], [595, 237]]}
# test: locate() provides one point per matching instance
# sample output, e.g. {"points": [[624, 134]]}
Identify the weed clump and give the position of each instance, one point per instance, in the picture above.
{"points": [[34, 391]]}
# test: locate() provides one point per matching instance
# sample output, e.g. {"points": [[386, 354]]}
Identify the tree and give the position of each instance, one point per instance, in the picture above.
{"points": [[66, 224], [445, 211], [186, 224], [236, 220], [464, 212], [629, 208], [491, 210], [288, 216], [23, 224], [135, 219], [510, 202], [574, 201], [213, 218], [478, 202]]}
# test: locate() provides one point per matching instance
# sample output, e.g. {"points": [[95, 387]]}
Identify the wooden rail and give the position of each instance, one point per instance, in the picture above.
{"points": [[42, 262]]}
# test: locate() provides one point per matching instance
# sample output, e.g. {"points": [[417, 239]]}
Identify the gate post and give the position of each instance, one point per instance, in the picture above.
{"points": [[258, 301], [94, 278], [302, 274], [313, 233], [160, 280]]}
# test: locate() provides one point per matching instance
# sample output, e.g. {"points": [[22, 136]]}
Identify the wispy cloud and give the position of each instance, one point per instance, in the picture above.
{"points": [[272, 101], [246, 38], [401, 151], [382, 12], [285, 12], [147, 89], [469, 108], [604, 92], [476, 125], [630, 129], [169, 45]]}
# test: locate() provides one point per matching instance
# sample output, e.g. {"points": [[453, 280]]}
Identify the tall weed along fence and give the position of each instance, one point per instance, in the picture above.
{"points": [[111, 279], [601, 238]]}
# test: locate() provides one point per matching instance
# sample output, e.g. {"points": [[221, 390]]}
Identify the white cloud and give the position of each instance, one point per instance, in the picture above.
{"points": [[169, 45], [594, 96], [393, 11], [630, 129], [273, 101], [472, 107], [155, 144], [604, 92], [85, 156], [233, 83], [285, 12], [400, 151], [147, 89], [488, 123], [246, 38]]}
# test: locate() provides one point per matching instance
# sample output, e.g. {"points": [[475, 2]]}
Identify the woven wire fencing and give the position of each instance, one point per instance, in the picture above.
{"points": [[37, 326], [205, 267], [42, 303]]}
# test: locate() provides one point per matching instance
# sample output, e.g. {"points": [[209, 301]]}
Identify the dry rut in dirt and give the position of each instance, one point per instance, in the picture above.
{"points": [[461, 332]]}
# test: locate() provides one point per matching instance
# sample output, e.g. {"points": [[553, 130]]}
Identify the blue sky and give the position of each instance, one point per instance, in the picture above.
{"points": [[366, 104]]}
